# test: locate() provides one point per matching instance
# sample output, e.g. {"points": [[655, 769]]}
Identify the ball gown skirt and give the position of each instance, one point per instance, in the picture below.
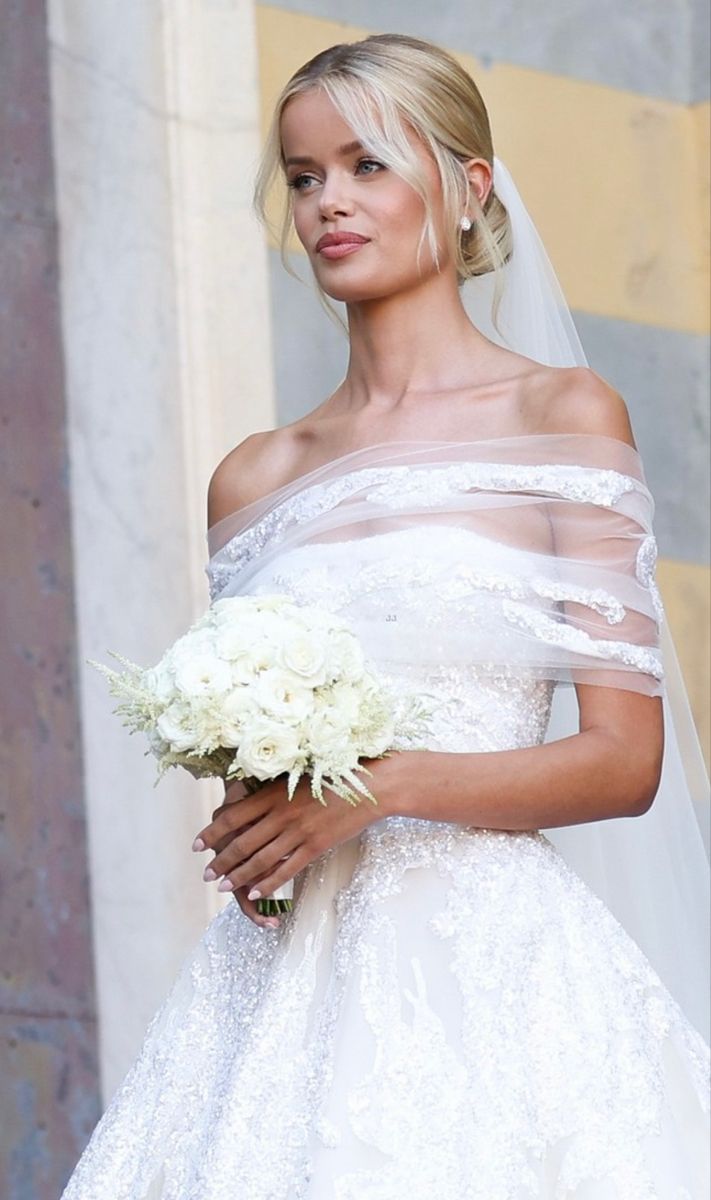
{"points": [[448, 1013]]}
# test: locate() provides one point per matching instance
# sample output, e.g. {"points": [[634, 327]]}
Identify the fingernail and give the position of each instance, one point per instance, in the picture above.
{"points": [[273, 923], [225, 885], [255, 894], [208, 874], [198, 844]]}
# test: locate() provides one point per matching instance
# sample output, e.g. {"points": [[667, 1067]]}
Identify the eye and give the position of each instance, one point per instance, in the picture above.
{"points": [[371, 161], [295, 183], [298, 180]]}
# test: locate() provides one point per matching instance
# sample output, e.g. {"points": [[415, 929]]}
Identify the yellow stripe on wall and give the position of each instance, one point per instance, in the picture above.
{"points": [[686, 592], [616, 182]]}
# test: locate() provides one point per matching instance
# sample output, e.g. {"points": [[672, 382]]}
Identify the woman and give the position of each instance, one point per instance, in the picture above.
{"points": [[449, 1010]]}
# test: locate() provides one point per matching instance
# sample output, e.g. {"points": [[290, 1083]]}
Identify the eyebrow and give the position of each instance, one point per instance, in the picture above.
{"points": [[349, 148]]}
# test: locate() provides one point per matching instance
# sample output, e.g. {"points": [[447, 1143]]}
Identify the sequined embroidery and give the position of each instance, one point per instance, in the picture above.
{"points": [[423, 485], [449, 1011]]}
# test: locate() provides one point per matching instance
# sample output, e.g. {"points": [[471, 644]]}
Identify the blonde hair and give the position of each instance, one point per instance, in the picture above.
{"points": [[375, 84]]}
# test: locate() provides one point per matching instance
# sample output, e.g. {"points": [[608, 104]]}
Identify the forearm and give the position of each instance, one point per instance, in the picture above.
{"points": [[584, 777]]}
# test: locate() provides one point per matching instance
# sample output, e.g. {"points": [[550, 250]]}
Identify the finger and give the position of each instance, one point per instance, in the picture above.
{"points": [[235, 789], [279, 861], [232, 795], [232, 818], [241, 846], [263, 864], [282, 873], [249, 908], [225, 841]]}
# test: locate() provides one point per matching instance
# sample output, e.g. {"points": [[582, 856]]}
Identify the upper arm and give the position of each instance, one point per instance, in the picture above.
{"points": [[632, 720], [585, 403], [248, 472]]}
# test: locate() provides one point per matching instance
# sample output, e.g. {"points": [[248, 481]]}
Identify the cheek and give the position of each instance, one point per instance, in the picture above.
{"points": [[302, 224], [402, 232]]}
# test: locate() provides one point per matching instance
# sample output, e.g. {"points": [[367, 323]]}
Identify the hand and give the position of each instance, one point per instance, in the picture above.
{"points": [[252, 836], [233, 792]]}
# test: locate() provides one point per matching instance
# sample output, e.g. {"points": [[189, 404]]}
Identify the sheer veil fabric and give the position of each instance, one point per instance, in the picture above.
{"points": [[652, 872], [554, 540]]}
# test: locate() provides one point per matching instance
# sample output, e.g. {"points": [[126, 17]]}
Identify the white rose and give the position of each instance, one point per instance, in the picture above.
{"points": [[305, 655], [192, 641], [158, 746], [275, 602], [227, 604], [159, 681], [267, 749], [275, 627], [175, 727], [327, 739], [282, 694], [236, 711], [203, 674], [345, 659], [255, 660], [251, 626], [231, 641], [345, 701]]}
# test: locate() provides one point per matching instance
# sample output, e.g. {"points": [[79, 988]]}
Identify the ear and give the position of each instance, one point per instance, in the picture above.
{"points": [[481, 179]]}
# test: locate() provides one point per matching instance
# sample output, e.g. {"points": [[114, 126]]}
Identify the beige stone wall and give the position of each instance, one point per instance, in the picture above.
{"points": [[168, 363]]}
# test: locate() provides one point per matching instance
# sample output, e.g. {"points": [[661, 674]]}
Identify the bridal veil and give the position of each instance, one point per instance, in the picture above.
{"points": [[652, 871]]}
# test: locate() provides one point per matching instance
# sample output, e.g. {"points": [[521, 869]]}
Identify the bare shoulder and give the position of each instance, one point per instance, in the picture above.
{"points": [[578, 400], [256, 467]]}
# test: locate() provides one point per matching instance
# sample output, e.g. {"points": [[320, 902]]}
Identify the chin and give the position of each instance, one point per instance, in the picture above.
{"points": [[355, 291]]}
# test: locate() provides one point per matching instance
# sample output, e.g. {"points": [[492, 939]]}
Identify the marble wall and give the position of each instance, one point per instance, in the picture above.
{"points": [[168, 363], [48, 1050]]}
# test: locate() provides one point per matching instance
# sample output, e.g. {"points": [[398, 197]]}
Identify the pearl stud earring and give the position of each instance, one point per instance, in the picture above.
{"points": [[465, 223]]}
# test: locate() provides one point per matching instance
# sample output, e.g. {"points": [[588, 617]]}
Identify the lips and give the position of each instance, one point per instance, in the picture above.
{"points": [[344, 237]]}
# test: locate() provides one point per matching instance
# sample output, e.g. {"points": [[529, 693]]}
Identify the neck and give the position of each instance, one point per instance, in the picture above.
{"points": [[411, 344]]}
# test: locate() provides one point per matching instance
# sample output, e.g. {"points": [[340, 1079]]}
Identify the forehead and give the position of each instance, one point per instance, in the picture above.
{"points": [[311, 125], [312, 118]]}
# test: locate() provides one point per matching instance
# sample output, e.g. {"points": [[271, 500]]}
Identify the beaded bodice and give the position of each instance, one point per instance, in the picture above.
{"points": [[391, 591], [449, 575]]}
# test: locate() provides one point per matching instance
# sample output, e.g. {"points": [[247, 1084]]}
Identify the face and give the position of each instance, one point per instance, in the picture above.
{"points": [[338, 188]]}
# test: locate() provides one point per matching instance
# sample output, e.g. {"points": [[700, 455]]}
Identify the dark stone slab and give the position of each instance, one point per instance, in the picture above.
{"points": [[48, 1055], [49, 1101]]}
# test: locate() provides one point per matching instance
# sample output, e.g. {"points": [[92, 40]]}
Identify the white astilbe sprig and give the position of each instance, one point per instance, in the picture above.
{"points": [[261, 687]]}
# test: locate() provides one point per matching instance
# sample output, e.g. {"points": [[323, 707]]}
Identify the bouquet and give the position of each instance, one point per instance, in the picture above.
{"points": [[259, 687]]}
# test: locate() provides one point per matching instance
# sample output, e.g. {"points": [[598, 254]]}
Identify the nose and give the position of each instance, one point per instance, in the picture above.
{"points": [[334, 200]]}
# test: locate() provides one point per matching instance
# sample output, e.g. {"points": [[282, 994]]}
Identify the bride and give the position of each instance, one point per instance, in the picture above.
{"points": [[459, 1005]]}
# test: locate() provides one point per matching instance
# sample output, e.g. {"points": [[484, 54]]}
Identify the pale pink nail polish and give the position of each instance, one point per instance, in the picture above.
{"points": [[208, 874], [225, 885], [198, 844], [255, 894]]}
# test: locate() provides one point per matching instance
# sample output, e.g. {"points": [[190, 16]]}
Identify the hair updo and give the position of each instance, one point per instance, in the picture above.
{"points": [[377, 83]]}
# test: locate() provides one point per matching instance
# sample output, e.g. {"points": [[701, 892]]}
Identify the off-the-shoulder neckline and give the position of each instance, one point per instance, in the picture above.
{"points": [[404, 442]]}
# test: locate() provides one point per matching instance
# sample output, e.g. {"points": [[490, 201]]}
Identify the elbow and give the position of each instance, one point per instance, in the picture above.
{"points": [[642, 785], [643, 802], [638, 756]]}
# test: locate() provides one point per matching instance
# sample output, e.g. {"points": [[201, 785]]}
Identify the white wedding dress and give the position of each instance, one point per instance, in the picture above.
{"points": [[449, 1012]]}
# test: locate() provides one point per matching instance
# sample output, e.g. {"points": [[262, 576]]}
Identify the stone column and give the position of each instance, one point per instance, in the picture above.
{"points": [[166, 336], [48, 1055]]}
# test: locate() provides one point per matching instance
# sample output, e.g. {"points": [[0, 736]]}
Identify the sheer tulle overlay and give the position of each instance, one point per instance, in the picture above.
{"points": [[449, 1011]]}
